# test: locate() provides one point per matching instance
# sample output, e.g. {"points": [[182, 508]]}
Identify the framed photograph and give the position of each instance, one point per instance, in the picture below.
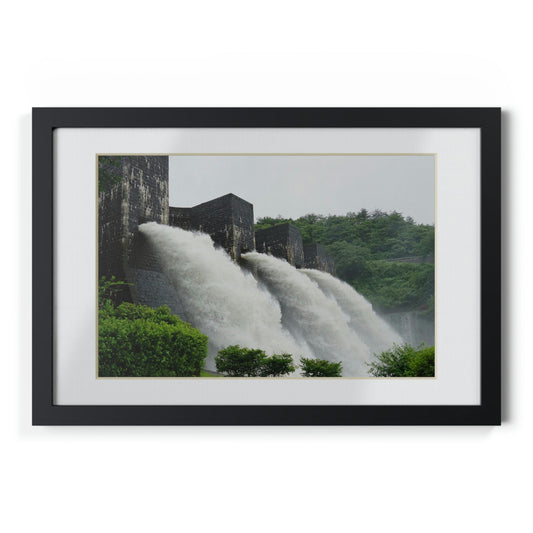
{"points": [[303, 266]]}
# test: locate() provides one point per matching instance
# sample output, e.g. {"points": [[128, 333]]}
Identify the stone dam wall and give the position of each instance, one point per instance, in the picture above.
{"points": [[228, 219], [149, 284], [284, 241], [316, 257], [141, 194]]}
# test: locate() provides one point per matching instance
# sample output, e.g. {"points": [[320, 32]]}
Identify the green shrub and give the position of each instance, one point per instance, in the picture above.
{"points": [[422, 364], [320, 368], [235, 361], [404, 361], [131, 311], [135, 340], [109, 289], [240, 362], [277, 365]]}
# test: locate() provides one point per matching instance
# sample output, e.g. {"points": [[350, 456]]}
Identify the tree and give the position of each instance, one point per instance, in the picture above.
{"points": [[320, 368], [404, 361], [235, 361], [277, 365], [426, 246], [240, 362], [268, 222], [351, 260], [423, 362]]}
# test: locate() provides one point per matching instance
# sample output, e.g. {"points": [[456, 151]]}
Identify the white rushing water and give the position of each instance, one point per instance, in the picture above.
{"points": [[278, 309], [374, 331], [221, 300], [310, 315]]}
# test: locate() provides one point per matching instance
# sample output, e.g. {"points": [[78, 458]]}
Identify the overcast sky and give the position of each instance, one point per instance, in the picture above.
{"points": [[293, 186]]}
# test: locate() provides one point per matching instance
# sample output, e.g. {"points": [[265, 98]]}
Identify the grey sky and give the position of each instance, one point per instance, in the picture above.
{"points": [[293, 186]]}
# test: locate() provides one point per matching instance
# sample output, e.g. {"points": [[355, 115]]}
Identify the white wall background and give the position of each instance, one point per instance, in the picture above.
{"points": [[277, 53]]}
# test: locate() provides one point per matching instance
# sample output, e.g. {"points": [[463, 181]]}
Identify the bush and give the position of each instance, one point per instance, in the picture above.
{"points": [[404, 361], [423, 362], [109, 289], [235, 361], [239, 362], [320, 368], [139, 341], [277, 365]]}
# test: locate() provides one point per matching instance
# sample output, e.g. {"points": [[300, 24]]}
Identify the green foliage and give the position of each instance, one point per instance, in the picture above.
{"points": [[108, 290], [207, 374], [426, 244], [129, 311], [268, 222], [383, 235], [238, 362], [320, 368], [235, 361], [352, 261], [135, 340], [393, 286], [363, 245], [277, 365], [109, 172], [423, 362], [404, 361]]}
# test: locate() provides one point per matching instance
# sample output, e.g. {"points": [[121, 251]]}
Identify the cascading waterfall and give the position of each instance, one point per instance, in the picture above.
{"points": [[310, 315], [374, 331], [278, 309], [223, 301]]}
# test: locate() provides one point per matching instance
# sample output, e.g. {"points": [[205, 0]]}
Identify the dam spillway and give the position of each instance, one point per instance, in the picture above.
{"points": [[263, 302]]}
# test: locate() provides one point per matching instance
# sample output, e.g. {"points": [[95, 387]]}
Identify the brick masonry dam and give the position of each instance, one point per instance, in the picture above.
{"points": [[142, 195]]}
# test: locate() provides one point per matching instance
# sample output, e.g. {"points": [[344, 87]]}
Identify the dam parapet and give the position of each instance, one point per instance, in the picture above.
{"points": [[317, 258], [283, 241], [229, 220]]}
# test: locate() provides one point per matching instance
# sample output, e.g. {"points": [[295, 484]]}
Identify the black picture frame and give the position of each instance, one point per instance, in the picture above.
{"points": [[45, 120]]}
